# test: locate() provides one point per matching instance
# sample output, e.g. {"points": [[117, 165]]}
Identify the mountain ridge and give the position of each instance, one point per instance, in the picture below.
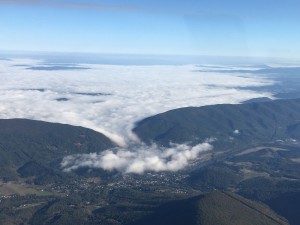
{"points": [[228, 123]]}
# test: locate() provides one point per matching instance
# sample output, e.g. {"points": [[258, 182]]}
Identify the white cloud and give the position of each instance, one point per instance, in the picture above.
{"points": [[236, 131], [136, 92], [138, 159]]}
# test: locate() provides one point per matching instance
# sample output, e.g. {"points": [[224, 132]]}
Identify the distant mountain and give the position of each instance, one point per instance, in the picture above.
{"points": [[265, 70], [28, 147], [210, 209], [231, 126], [257, 100]]}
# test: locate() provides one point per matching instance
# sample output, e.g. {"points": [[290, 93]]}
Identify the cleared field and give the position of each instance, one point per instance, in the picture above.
{"points": [[297, 160], [11, 188], [252, 150]]}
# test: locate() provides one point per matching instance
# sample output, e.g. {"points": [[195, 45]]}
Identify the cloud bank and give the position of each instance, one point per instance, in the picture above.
{"points": [[138, 159], [114, 97]]}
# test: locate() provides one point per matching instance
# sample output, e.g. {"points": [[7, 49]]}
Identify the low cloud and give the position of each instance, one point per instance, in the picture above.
{"points": [[134, 92], [138, 159], [111, 98]]}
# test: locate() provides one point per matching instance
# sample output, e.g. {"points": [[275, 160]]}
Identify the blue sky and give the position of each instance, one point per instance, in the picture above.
{"points": [[266, 28]]}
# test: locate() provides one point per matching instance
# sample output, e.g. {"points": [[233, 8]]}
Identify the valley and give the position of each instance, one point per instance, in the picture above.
{"points": [[259, 165]]}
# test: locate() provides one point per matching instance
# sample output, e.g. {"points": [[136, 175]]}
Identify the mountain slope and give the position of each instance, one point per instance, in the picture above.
{"points": [[232, 126], [215, 208], [43, 145]]}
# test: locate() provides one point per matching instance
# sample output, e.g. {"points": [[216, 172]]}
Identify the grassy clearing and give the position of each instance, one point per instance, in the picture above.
{"points": [[12, 188], [252, 150]]}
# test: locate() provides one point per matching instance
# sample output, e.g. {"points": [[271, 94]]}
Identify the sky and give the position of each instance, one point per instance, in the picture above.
{"points": [[257, 28]]}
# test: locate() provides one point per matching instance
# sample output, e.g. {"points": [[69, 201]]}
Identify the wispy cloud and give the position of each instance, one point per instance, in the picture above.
{"points": [[70, 4]]}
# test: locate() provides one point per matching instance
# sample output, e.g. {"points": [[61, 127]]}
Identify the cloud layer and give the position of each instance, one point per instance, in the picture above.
{"points": [[138, 159], [112, 98]]}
